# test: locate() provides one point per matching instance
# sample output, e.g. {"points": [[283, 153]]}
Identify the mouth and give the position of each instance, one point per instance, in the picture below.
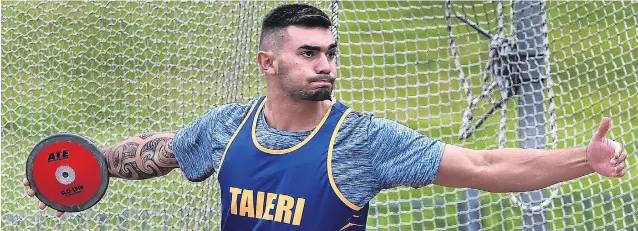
{"points": [[322, 82]]}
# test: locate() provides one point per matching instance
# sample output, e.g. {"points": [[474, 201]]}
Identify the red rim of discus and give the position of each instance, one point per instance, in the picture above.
{"points": [[67, 172]]}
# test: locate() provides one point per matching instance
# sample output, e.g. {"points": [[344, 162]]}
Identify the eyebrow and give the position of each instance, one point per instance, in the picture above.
{"points": [[317, 48]]}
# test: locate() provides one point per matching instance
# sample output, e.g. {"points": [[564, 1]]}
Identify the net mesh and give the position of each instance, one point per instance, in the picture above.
{"points": [[112, 70]]}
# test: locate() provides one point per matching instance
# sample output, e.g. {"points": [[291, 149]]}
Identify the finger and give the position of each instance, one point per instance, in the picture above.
{"points": [[622, 157], [25, 182], [617, 150], [42, 206], [621, 173], [58, 213], [30, 192], [620, 167], [602, 130]]}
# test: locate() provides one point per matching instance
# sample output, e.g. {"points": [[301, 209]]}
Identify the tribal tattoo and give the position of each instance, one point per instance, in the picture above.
{"points": [[142, 157]]}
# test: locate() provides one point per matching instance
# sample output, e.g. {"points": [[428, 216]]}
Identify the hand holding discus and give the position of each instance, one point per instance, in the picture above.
{"points": [[67, 173]]}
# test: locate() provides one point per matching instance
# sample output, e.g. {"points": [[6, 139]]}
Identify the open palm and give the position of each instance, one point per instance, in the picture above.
{"points": [[606, 156]]}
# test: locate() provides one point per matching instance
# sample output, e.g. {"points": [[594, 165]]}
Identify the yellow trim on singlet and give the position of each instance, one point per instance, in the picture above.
{"points": [[233, 137], [330, 177], [349, 225], [287, 150]]}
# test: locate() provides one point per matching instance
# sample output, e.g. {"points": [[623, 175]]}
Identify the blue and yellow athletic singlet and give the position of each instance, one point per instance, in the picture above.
{"points": [[368, 154], [285, 189]]}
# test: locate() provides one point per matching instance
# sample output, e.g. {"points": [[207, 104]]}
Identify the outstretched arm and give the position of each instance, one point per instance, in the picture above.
{"points": [[141, 157], [516, 170]]}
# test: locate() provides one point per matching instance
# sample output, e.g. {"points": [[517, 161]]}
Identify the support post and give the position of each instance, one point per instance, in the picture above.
{"points": [[532, 46], [469, 211]]}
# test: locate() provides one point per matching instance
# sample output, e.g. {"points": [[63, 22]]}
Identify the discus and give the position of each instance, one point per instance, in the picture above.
{"points": [[67, 172]]}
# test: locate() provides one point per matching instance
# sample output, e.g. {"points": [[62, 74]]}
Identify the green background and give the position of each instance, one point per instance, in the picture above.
{"points": [[111, 70]]}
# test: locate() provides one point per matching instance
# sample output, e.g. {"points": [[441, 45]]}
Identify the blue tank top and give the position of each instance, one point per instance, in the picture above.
{"points": [[287, 189]]}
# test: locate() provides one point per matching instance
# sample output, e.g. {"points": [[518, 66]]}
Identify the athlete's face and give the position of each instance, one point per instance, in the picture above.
{"points": [[305, 65]]}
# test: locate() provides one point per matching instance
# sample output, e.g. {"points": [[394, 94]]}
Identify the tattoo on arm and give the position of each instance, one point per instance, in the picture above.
{"points": [[142, 157]]}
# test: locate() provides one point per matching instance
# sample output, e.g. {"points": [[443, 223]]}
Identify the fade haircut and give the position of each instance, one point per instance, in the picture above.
{"points": [[290, 15]]}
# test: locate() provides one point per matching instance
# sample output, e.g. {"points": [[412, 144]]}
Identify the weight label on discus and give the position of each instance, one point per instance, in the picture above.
{"points": [[72, 191]]}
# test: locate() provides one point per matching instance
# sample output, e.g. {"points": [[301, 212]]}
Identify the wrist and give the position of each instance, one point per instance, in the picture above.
{"points": [[106, 150], [587, 158]]}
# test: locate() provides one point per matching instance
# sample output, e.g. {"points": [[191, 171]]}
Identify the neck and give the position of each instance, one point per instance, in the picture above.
{"points": [[287, 114]]}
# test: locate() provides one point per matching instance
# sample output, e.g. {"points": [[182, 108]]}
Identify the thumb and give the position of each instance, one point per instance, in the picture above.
{"points": [[602, 130]]}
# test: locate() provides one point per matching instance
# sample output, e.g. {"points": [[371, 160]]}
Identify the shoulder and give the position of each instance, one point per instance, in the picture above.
{"points": [[229, 114], [356, 119], [206, 137], [365, 122], [220, 118], [359, 126], [230, 110], [354, 127], [366, 129]]}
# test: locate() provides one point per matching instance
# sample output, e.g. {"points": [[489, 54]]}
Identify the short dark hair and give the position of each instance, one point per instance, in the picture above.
{"points": [[292, 15]]}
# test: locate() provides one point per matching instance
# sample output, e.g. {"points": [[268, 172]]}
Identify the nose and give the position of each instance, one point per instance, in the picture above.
{"points": [[324, 65]]}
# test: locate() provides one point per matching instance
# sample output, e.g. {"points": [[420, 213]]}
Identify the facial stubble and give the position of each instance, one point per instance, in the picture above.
{"points": [[286, 82]]}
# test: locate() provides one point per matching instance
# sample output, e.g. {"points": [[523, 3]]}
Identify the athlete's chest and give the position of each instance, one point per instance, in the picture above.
{"points": [[286, 186]]}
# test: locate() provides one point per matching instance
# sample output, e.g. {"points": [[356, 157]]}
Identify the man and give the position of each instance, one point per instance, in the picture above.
{"points": [[297, 160]]}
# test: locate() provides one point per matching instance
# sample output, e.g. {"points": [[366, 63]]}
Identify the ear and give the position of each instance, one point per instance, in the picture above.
{"points": [[266, 61]]}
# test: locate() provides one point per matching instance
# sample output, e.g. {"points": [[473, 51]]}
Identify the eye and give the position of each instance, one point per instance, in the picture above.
{"points": [[332, 55], [307, 53]]}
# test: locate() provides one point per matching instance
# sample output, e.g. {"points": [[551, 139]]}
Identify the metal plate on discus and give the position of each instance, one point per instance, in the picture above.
{"points": [[67, 172]]}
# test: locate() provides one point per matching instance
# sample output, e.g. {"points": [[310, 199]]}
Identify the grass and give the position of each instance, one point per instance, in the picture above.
{"points": [[112, 70]]}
